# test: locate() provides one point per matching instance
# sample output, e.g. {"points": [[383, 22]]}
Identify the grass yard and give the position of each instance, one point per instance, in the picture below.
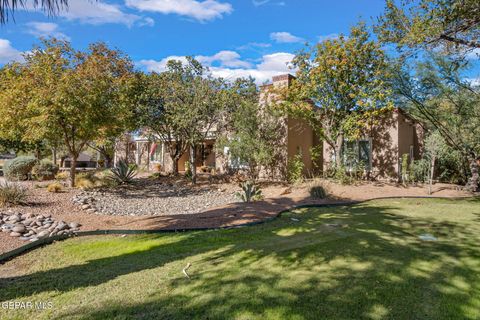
{"points": [[355, 262]]}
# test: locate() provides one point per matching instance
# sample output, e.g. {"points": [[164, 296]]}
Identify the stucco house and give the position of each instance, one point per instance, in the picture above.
{"points": [[380, 150]]}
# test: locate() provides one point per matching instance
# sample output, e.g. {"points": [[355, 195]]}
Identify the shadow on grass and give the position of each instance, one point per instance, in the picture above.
{"points": [[351, 262]]}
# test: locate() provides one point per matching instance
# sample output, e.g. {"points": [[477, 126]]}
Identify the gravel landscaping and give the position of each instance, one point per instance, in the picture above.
{"points": [[154, 198], [32, 227]]}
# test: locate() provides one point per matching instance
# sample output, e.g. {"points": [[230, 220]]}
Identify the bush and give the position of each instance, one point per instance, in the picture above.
{"points": [[341, 176], [54, 187], [45, 170], [318, 192], [250, 192], [295, 169], [19, 168], [84, 183], [64, 175], [12, 194], [123, 173]]}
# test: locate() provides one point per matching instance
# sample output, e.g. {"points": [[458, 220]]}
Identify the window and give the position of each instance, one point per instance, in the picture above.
{"points": [[357, 154]]}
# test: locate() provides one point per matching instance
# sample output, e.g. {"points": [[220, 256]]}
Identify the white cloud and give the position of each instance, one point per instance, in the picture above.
{"points": [[473, 54], [474, 81], [45, 29], [199, 10], [270, 65], [9, 53], [285, 37], [259, 3], [330, 36], [230, 59], [254, 46], [97, 12]]}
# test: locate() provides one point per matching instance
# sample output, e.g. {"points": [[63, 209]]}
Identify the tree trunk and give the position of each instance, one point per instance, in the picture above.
{"points": [[193, 160], [62, 161], [175, 165], [54, 156], [73, 169], [472, 184], [432, 170], [338, 151]]}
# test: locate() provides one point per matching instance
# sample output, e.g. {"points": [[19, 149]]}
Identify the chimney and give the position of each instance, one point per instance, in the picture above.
{"points": [[282, 80]]}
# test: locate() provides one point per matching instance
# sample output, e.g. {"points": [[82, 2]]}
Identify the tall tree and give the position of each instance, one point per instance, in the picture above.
{"points": [[341, 87], [452, 24], [198, 99], [253, 130], [67, 93], [438, 94]]}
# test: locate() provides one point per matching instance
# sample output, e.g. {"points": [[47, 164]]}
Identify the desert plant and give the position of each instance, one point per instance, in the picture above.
{"points": [[123, 173], [295, 169], [44, 170], [188, 170], [54, 187], [341, 176], [19, 168], [250, 192], [84, 183], [64, 175], [318, 192], [12, 194]]}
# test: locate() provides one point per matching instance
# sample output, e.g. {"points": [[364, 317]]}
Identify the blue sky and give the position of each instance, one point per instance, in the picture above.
{"points": [[233, 37]]}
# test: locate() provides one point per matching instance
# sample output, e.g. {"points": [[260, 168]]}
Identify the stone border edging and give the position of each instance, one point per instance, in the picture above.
{"points": [[41, 242]]}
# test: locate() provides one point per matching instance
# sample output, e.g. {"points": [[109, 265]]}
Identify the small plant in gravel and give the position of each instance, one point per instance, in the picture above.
{"points": [[12, 194], [54, 187], [250, 192], [45, 170], [318, 192], [123, 173], [62, 176], [19, 168], [84, 183]]}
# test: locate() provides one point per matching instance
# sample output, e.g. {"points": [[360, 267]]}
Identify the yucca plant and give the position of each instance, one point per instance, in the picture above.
{"points": [[123, 173], [250, 191]]}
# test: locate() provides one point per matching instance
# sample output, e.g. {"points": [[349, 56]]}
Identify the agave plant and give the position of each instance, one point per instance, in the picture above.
{"points": [[250, 191], [123, 173]]}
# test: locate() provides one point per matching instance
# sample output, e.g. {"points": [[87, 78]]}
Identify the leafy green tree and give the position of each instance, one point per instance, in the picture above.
{"points": [[341, 87], [159, 114], [66, 93], [452, 24], [253, 131], [437, 93]]}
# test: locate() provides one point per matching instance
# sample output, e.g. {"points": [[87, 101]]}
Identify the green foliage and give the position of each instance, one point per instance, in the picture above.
{"points": [[188, 170], [123, 173], [19, 168], [419, 170], [250, 192], [295, 169], [12, 194], [438, 94], [342, 87], [256, 131], [45, 170], [433, 24], [318, 192], [342, 176]]}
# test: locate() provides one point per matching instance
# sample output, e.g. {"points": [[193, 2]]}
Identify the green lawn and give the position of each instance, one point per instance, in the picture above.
{"points": [[357, 262]]}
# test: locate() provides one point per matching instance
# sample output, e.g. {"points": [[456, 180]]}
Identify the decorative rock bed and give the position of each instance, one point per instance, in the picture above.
{"points": [[32, 227], [158, 200]]}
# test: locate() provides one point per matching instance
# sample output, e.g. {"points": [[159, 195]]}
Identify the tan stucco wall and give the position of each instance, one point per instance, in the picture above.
{"points": [[300, 138]]}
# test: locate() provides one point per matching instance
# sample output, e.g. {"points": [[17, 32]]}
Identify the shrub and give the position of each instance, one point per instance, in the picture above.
{"points": [[45, 170], [123, 173], [295, 169], [54, 187], [318, 192], [341, 176], [188, 170], [84, 183], [19, 168], [250, 192], [64, 175], [12, 194]]}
